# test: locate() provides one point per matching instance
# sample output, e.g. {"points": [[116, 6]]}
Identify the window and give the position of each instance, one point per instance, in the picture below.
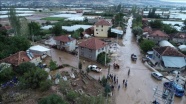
{"points": [[81, 47], [102, 48], [90, 50], [97, 33], [101, 29], [102, 26], [96, 29]]}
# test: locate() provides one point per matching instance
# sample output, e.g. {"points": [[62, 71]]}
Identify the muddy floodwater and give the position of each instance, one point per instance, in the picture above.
{"points": [[140, 88]]}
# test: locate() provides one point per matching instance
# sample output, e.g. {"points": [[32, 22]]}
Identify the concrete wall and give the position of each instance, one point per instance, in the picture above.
{"points": [[69, 46], [179, 40], [157, 39], [101, 31], [90, 54], [36, 61]]}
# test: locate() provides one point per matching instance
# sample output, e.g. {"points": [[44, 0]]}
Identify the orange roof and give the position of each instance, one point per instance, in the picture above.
{"points": [[18, 58], [64, 38], [158, 33], [92, 43], [168, 51], [103, 22], [147, 29]]}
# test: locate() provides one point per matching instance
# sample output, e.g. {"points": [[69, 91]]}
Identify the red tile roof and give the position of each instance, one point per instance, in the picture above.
{"points": [[158, 33], [147, 29], [64, 38], [103, 22], [92, 43], [18, 58], [168, 51], [180, 35]]}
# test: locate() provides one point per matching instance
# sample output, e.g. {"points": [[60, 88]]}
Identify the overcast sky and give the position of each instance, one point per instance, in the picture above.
{"points": [[175, 1]]}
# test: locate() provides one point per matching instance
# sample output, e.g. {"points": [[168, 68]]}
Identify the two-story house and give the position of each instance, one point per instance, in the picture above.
{"points": [[65, 42], [169, 58], [157, 36], [101, 28], [90, 48]]}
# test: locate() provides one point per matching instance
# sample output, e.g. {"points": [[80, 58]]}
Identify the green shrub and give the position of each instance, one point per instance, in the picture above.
{"points": [[45, 85], [72, 95], [52, 99]]}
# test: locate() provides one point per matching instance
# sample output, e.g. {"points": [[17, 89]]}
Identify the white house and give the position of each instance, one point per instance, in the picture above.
{"points": [[65, 42]]}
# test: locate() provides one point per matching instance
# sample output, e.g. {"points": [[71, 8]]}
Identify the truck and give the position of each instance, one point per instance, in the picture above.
{"points": [[178, 89]]}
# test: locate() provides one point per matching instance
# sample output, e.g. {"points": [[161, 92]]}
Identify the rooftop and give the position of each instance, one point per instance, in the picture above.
{"points": [[168, 51], [158, 33], [103, 22], [92, 43], [64, 38], [17, 58]]}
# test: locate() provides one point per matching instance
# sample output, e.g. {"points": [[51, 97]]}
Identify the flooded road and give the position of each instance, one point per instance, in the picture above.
{"points": [[140, 88]]}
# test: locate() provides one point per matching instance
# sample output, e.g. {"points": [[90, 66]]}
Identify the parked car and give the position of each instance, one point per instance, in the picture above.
{"points": [[94, 68], [157, 75], [179, 90]]}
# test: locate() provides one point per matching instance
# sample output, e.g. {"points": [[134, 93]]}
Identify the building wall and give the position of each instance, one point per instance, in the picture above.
{"points": [[87, 53], [90, 54], [156, 56], [72, 45], [179, 40], [69, 46], [101, 31], [36, 61], [157, 39]]}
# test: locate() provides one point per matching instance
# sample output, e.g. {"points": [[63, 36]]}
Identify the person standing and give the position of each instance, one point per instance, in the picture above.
{"points": [[117, 80], [123, 81], [118, 86], [126, 84], [129, 72]]}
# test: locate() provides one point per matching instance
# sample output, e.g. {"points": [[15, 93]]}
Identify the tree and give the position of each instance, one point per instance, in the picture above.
{"points": [[156, 24], [34, 29], [72, 95], [45, 85], [147, 45], [57, 29], [137, 31], [169, 29], [101, 58], [24, 26], [33, 78], [52, 99], [6, 74], [77, 33], [52, 65], [14, 21], [184, 27], [25, 67], [19, 43]]}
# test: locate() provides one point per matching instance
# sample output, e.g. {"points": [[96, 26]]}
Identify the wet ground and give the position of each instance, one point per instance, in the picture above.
{"points": [[141, 85]]}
